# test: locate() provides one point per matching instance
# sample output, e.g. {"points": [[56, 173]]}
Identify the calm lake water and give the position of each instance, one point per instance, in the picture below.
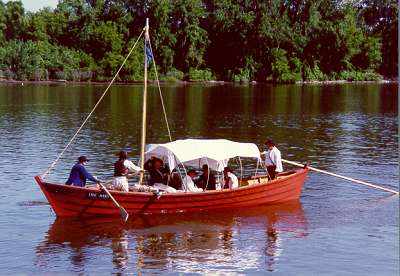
{"points": [[337, 228]]}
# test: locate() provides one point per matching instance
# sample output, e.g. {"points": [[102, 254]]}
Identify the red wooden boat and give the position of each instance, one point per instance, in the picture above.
{"points": [[69, 201]]}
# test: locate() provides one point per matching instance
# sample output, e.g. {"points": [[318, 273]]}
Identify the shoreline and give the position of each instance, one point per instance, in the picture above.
{"points": [[179, 82]]}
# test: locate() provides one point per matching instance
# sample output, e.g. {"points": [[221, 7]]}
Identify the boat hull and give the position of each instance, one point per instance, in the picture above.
{"points": [[71, 201]]}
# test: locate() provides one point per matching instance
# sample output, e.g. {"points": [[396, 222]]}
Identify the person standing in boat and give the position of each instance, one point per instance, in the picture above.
{"points": [[79, 174], [230, 179], [273, 160], [122, 168]]}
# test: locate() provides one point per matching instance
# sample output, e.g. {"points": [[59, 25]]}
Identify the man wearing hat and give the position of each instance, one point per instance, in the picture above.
{"points": [[79, 174], [273, 161]]}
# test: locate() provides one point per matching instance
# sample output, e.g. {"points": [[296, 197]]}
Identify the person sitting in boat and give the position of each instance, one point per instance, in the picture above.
{"points": [[273, 160], [207, 179], [230, 179], [158, 172], [122, 168], [188, 183], [79, 174], [175, 180], [159, 175]]}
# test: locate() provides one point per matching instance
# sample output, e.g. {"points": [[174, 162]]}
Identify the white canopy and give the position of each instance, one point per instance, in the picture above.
{"points": [[197, 152]]}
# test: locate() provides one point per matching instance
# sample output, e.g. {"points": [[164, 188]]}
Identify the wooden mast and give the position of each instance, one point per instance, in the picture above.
{"points": [[144, 111]]}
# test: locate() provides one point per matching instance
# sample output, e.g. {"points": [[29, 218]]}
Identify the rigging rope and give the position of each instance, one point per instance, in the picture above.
{"points": [[159, 90], [91, 112]]}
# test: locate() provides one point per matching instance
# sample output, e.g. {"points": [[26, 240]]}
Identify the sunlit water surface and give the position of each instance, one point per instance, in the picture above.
{"points": [[337, 228]]}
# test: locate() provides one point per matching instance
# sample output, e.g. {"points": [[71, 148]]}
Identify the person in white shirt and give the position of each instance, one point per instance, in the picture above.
{"points": [[188, 184], [122, 168], [230, 179], [273, 160]]}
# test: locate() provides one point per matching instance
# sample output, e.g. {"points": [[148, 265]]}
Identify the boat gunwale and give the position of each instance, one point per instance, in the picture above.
{"points": [[173, 195]]}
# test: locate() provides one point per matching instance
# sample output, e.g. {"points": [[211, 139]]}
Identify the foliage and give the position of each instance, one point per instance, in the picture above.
{"points": [[236, 40], [173, 75], [43, 61], [381, 18], [200, 75], [282, 70], [314, 74], [367, 75]]}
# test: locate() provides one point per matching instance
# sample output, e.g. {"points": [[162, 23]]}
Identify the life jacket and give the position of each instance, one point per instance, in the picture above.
{"points": [[120, 169]]}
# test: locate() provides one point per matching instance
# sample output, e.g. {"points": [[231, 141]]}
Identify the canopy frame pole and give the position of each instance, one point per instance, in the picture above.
{"points": [[177, 161], [219, 179], [185, 174], [241, 168], [208, 175], [258, 161]]}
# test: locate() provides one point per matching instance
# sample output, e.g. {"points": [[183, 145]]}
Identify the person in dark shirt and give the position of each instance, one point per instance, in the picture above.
{"points": [[158, 172], [207, 179], [175, 180], [79, 174], [123, 168]]}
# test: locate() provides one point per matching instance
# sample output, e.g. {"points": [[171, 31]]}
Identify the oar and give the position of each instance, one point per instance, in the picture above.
{"points": [[123, 212], [343, 177]]}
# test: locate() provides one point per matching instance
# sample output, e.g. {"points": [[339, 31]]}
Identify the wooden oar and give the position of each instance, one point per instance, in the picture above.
{"points": [[123, 212], [343, 177]]}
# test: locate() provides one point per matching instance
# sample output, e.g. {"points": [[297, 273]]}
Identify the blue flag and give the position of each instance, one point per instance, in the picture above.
{"points": [[149, 55]]}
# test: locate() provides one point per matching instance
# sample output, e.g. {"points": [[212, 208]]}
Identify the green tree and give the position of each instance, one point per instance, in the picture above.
{"points": [[241, 40], [14, 14], [381, 17], [191, 38]]}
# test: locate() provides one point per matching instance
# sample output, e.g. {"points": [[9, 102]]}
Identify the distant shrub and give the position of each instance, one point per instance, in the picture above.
{"points": [[242, 76], [9, 75], [172, 75], [359, 75], [200, 75], [39, 75], [314, 74], [59, 75], [85, 75], [245, 73]]}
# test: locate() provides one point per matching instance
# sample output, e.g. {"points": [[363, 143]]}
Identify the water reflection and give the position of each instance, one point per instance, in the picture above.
{"points": [[222, 241]]}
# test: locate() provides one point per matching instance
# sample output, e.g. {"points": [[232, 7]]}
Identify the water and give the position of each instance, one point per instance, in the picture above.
{"points": [[337, 228]]}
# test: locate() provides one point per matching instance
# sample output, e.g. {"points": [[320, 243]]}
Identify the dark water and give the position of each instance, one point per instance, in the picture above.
{"points": [[337, 228]]}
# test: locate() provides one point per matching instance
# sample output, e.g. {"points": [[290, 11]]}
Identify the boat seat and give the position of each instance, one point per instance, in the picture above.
{"points": [[259, 176], [253, 181]]}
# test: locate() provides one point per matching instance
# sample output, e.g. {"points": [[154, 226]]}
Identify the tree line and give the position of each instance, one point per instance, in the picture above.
{"points": [[232, 40]]}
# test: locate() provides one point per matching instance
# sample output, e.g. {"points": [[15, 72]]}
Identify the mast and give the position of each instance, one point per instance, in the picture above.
{"points": [[144, 111]]}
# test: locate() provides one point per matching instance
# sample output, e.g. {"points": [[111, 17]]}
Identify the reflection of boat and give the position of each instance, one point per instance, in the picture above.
{"points": [[288, 213], [158, 237], [76, 201]]}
